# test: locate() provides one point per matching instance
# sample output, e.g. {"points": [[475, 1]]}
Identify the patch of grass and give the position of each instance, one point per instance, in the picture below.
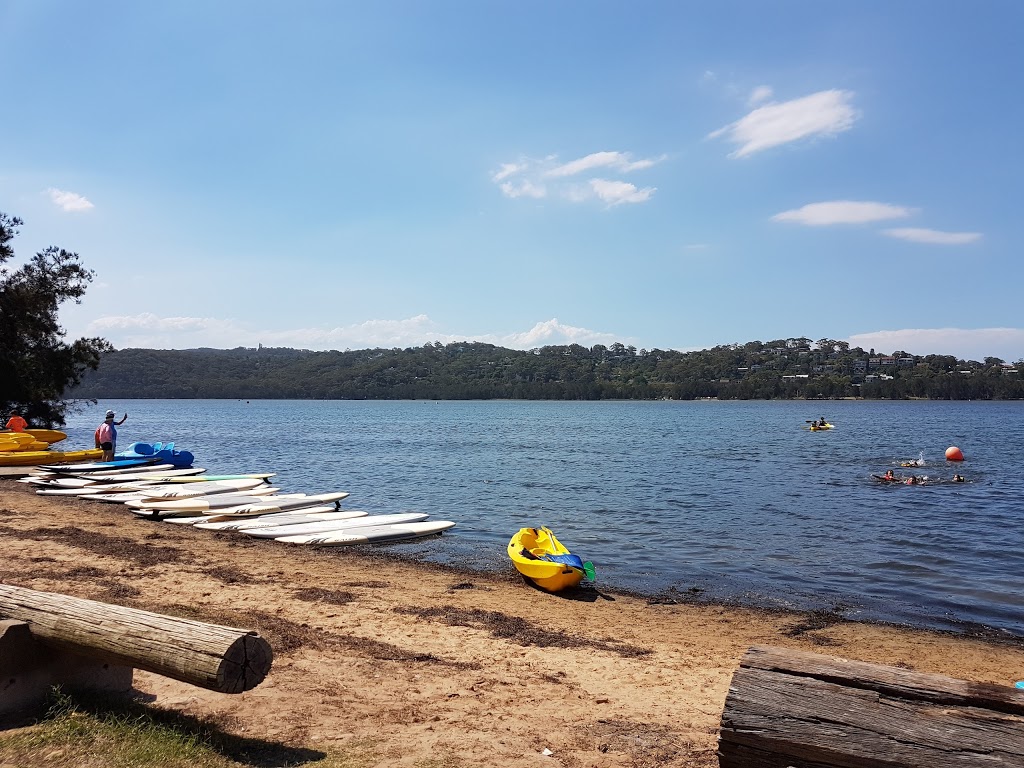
{"points": [[110, 732]]}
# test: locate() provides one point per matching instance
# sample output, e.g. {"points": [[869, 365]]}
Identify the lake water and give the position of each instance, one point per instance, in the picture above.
{"points": [[734, 499]]}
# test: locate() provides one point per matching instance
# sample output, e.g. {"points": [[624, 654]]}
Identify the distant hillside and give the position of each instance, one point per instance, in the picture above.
{"points": [[781, 369]]}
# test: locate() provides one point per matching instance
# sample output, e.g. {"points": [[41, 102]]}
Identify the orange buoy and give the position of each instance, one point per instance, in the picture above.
{"points": [[954, 454]]}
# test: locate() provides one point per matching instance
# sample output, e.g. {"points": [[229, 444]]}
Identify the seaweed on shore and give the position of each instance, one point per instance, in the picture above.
{"points": [[814, 621], [518, 630], [101, 544]]}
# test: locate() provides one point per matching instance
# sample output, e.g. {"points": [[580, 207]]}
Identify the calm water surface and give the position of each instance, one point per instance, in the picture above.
{"points": [[732, 498]]}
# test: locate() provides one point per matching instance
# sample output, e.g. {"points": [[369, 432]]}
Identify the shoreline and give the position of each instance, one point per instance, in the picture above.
{"points": [[431, 662]]}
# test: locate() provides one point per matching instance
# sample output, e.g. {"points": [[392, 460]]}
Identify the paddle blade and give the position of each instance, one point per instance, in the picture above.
{"points": [[589, 570]]}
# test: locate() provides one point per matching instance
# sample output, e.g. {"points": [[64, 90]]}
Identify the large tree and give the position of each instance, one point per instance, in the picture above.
{"points": [[36, 364]]}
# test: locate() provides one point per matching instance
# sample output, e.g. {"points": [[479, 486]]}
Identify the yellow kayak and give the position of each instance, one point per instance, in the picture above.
{"points": [[542, 558], [48, 436], [7, 445], [818, 428], [31, 458]]}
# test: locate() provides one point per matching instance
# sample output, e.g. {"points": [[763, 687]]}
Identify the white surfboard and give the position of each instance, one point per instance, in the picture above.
{"points": [[92, 490], [372, 535], [334, 525], [140, 495], [97, 466], [269, 506], [220, 478], [165, 472], [214, 522], [110, 475], [198, 504], [188, 490], [192, 518]]}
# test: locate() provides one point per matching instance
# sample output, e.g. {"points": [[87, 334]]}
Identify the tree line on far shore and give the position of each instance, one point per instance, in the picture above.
{"points": [[794, 368]]}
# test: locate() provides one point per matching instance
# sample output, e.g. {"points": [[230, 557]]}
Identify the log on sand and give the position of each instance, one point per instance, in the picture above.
{"points": [[219, 658], [799, 709]]}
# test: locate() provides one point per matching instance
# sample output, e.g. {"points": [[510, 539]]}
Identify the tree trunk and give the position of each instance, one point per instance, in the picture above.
{"points": [[792, 708], [208, 655]]}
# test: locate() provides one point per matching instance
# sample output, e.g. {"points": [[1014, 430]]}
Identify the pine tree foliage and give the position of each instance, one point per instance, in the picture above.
{"points": [[37, 365]]}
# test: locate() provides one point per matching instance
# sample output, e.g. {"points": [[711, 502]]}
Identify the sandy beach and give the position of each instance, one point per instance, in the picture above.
{"points": [[415, 664]]}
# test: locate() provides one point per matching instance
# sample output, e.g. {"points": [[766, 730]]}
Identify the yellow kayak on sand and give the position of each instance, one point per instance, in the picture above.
{"points": [[7, 445], [48, 436], [31, 458], [542, 558]]}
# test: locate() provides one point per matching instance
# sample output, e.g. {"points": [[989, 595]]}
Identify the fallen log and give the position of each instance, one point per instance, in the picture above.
{"points": [[211, 656], [793, 708]]}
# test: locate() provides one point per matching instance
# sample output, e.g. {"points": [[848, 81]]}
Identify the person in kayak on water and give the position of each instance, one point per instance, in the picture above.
{"points": [[889, 475], [958, 478]]}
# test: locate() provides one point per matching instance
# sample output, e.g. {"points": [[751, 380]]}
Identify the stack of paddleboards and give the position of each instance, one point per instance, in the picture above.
{"points": [[246, 504]]}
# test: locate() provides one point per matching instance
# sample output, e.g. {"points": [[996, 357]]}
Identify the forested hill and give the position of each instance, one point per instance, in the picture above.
{"points": [[782, 369]]}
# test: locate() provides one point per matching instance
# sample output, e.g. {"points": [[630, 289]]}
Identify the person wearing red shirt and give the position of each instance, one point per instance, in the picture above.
{"points": [[16, 423]]}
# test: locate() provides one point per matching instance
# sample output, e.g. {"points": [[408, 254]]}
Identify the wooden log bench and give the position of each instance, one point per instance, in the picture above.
{"points": [[49, 639], [802, 710]]}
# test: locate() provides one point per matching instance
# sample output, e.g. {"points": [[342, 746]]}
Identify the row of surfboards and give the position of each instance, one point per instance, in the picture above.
{"points": [[245, 503]]}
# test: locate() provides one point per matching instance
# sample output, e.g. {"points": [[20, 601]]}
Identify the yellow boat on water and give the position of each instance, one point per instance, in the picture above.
{"points": [[820, 427], [542, 558]]}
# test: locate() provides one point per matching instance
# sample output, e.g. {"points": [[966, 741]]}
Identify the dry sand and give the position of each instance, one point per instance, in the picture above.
{"points": [[415, 664]]}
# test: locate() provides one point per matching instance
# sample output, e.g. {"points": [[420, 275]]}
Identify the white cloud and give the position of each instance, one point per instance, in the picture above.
{"points": [[966, 344], [933, 236], [68, 201], [524, 188], [759, 94], [843, 212], [149, 331], [825, 113], [548, 177], [506, 170], [619, 161], [550, 333], [618, 192]]}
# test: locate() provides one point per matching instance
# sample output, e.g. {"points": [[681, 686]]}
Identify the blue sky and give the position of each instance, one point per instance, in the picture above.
{"points": [[332, 175]]}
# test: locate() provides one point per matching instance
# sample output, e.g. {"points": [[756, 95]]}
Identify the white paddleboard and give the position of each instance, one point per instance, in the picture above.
{"points": [[188, 490], [371, 535], [220, 478], [214, 522], [92, 490], [97, 466], [148, 494], [121, 474], [201, 504], [159, 472], [269, 507], [334, 525]]}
